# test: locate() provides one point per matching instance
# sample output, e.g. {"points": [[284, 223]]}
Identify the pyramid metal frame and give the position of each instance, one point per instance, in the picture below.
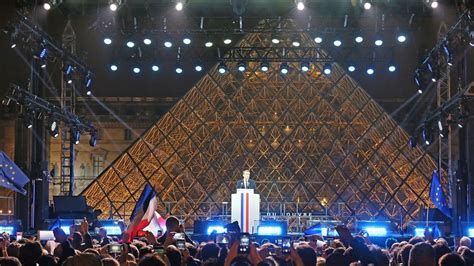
{"points": [[311, 142]]}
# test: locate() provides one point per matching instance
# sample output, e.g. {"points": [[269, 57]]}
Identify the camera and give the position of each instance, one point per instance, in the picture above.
{"points": [[244, 243], [286, 245]]}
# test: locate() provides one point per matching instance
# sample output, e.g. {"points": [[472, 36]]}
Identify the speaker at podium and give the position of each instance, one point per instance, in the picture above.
{"points": [[246, 210]]}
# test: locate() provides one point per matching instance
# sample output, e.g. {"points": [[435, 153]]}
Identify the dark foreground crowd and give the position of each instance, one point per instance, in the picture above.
{"points": [[79, 248]]}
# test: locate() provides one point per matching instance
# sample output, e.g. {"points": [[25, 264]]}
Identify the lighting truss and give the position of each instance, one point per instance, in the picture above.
{"points": [[32, 102]]}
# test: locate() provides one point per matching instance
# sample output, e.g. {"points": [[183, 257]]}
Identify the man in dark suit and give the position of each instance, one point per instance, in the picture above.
{"points": [[246, 182]]}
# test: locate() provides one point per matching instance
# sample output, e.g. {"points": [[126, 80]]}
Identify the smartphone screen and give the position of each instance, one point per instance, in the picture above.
{"points": [[115, 248], [244, 243], [286, 245], [222, 239], [181, 244], [45, 235], [19, 235], [158, 249]]}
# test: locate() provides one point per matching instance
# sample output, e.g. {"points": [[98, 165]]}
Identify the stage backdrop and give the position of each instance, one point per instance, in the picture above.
{"points": [[311, 142]]}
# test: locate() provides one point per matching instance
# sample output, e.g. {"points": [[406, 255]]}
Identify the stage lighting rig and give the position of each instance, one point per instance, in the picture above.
{"points": [[284, 68], [300, 5], [114, 5], [49, 4], [305, 66], [327, 69], [367, 5], [222, 68], [264, 66], [37, 108], [179, 5]]}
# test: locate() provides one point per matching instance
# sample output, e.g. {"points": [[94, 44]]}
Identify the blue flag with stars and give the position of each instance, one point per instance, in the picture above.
{"points": [[11, 175], [437, 195]]}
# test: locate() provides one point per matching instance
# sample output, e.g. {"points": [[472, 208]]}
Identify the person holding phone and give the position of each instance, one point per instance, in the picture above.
{"points": [[172, 227]]}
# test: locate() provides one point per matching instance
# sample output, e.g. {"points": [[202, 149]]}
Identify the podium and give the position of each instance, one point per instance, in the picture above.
{"points": [[246, 210]]}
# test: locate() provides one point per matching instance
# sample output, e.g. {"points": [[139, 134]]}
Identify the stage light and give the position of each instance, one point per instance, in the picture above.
{"points": [[427, 135], [461, 122], [376, 231], [269, 230], [367, 5], [107, 41], [88, 80], [198, 68], [327, 68], [359, 39], [12, 44], [43, 51], [168, 44], [434, 4], [264, 66], [304, 66], [65, 229], [470, 232], [179, 6], [155, 68], [113, 7], [401, 38], [241, 66], [318, 39], [351, 68], [284, 68], [370, 70], [28, 120], [208, 44], [300, 5], [179, 68], [378, 40], [93, 140], [113, 67], [296, 41], [227, 40], [392, 68], [337, 42], [47, 6], [43, 63], [275, 38], [147, 41], [421, 231], [75, 136], [53, 128], [130, 44], [222, 68], [136, 69], [187, 40], [412, 142], [218, 228], [114, 4]]}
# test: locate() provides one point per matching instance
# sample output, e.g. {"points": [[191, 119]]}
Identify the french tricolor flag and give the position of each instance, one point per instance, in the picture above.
{"points": [[144, 216]]}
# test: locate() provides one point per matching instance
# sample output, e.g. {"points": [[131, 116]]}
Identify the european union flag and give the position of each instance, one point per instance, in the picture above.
{"points": [[11, 175], [437, 195]]}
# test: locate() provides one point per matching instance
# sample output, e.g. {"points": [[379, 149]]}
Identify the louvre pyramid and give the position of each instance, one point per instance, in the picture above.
{"points": [[310, 141]]}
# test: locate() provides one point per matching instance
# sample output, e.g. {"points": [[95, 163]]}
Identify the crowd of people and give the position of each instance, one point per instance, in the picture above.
{"points": [[79, 248]]}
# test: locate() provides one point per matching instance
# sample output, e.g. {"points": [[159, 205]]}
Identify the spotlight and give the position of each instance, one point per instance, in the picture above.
{"points": [[43, 51], [275, 38], [392, 68], [28, 119], [337, 42], [434, 4], [89, 92], [227, 40], [412, 142], [75, 136], [113, 7], [264, 66], [179, 6], [43, 63], [304, 66], [130, 44], [367, 5], [68, 73], [147, 41], [136, 69], [107, 41], [88, 80], [241, 66], [222, 68], [427, 135], [114, 4], [187, 40], [53, 128], [208, 44], [378, 41], [168, 44], [284, 68], [327, 68], [198, 67], [318, 39], [155, 68], [370, 70], [179, 68], [436, 75], [47, 6], [359, 39], [296, 40], [351, 68], [300, 5], [93, 139], [113, 67], [401, 38], [12, 44]]}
